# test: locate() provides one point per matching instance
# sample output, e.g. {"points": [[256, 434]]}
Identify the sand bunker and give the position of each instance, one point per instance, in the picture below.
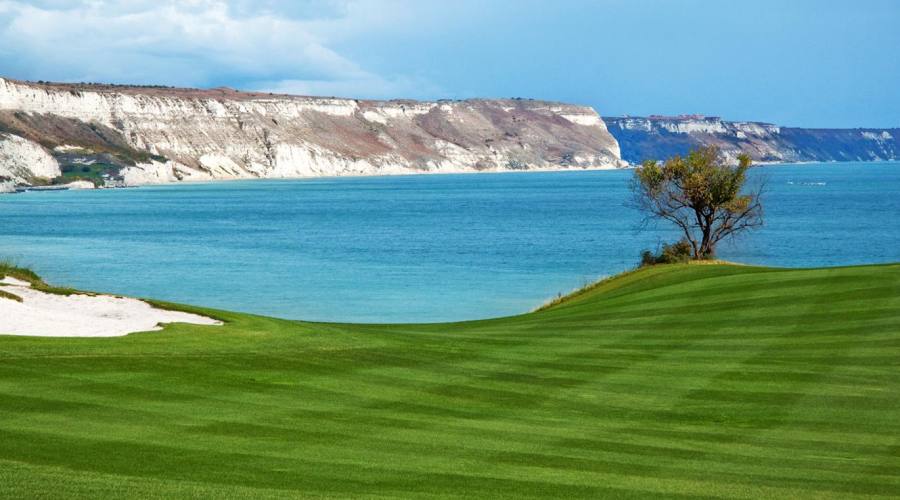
{"points": [[47, 315]]}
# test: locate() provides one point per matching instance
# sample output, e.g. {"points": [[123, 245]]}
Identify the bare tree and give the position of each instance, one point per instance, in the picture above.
{"points": [[701, 194]]}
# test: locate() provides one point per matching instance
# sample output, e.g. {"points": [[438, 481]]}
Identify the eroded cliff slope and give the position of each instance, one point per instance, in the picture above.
{"points": [[658, 137], [154, 134]]}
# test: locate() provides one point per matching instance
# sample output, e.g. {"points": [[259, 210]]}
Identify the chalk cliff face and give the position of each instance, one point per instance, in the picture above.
{"points": [[154, 134], [659, 137], [21, 160]]}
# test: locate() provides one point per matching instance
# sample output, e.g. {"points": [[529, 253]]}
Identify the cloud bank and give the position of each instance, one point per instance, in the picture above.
{"points": [[797, 63], [257, 45]]}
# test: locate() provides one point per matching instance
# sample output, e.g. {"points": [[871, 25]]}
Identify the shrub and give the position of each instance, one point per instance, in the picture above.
{"points": [[674, 253], [647, 258], [680, 251]]}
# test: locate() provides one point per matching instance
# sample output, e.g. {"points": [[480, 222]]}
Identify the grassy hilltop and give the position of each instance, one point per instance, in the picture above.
{"points": [[683, 380]]}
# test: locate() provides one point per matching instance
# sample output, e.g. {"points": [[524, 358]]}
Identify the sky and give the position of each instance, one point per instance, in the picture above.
{"points": [[811, 63]]}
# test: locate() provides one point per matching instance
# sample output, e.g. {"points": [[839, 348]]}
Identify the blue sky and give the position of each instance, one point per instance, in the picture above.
{"points": [[792, 62]]}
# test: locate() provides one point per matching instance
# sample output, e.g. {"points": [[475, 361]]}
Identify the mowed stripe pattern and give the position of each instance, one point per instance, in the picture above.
{"points": [[712, 381]]}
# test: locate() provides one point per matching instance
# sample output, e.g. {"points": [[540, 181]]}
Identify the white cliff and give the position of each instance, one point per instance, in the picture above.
{"points": [[154, 135], [21, 159], [657, 137]]}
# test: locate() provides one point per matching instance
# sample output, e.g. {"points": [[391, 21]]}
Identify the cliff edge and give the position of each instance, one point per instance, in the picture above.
{"points": [[138, 135], [659, 137]]}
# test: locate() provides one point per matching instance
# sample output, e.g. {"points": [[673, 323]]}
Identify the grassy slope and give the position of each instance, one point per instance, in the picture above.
{"points": [[782, 383], [24, 274]]}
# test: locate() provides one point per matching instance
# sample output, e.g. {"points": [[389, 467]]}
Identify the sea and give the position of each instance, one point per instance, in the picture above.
{"points": [[418, 248]]}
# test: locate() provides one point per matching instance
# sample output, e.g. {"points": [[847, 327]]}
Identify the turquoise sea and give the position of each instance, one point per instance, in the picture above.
{"points": [[415, 248]]}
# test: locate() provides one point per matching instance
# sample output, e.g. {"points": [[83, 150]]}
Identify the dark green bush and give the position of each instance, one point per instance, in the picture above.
{"points": [[679, 251], [671, 253], [647, 258]]}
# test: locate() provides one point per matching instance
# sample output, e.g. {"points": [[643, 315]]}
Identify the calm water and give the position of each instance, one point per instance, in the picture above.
{"points": [[417, 248]]}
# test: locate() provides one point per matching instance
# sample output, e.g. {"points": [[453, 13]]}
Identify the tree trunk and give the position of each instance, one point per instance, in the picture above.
{"points": [[703, 249], [707, 245]]}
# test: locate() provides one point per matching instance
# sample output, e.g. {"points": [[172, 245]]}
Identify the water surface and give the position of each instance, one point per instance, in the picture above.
{"points": [[415, 248]]}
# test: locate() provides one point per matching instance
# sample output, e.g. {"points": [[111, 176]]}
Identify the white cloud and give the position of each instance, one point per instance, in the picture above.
{"points": [[278, 46], [367, 86]]}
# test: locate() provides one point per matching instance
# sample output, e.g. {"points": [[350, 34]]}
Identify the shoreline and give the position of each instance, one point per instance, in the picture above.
{"points": [[386, 174], [321, 256], [106, 315], [65, 187]]}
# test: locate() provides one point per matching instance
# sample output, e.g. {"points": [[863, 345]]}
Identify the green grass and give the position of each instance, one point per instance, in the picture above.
{"points": [[700, 381], [79, 172], [8, 268]]}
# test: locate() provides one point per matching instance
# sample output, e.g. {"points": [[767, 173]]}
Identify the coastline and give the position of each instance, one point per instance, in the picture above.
{"points": [[100, 314], [336, 246], [411, 173]]}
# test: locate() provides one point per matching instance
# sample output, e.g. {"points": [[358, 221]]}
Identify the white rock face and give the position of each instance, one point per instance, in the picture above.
{"points": [[588, 120], [755, 129], [876, 136], [21, 159], [219, 134], [156, 172], [694, 126], [656, 137], [80, 185]]}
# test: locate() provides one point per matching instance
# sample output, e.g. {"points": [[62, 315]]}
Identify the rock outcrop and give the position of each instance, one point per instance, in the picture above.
{"points": [[155, 134], [21, 160], [658, 137]]}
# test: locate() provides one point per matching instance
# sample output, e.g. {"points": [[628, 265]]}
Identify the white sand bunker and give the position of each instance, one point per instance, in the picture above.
{"points": [[47, 315]]}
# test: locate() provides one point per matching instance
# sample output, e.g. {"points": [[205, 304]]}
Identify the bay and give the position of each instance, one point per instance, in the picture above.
{"points": [[415, 248]]}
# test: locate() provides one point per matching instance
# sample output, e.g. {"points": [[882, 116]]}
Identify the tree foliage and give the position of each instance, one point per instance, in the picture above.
{"points": [[701, 194]]}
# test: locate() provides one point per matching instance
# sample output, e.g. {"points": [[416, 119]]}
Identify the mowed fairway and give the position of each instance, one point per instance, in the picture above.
{"points": [[699, 381]]}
